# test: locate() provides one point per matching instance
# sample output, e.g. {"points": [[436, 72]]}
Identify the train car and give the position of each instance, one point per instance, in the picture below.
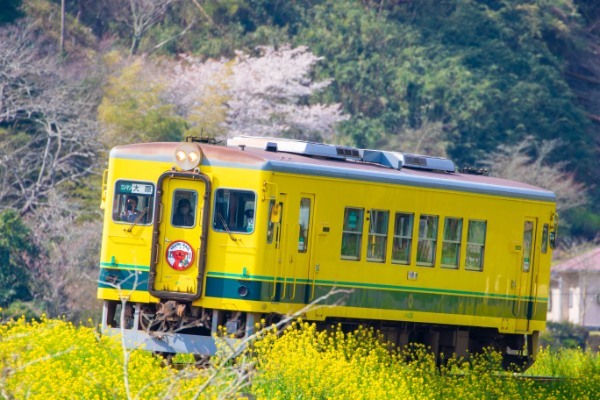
{"points": [[198, 235]]}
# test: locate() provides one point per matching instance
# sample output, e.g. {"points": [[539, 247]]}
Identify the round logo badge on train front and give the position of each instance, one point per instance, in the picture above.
{"points": [[180, 255]]}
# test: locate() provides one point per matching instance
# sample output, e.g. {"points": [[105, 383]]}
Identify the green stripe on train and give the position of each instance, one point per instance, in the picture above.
{"points": [[342, 284], [387, 297]]}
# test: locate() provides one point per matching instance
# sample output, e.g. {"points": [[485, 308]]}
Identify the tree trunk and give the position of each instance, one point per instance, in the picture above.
{"points": [[61, 44]]}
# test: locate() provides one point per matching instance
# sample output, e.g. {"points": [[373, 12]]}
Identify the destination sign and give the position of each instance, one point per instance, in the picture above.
{"points": [[135, 188]]}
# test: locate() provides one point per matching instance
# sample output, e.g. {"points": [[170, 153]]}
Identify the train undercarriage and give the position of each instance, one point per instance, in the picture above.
{"points": [[174, 327]]}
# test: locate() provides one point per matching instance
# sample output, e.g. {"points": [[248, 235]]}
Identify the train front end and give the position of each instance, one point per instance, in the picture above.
{"points": [[156, 203]]}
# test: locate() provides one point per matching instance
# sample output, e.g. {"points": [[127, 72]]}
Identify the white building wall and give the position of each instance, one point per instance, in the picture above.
{"points": [[574, 305], [568, 304], [554, 309], [592, 303]]}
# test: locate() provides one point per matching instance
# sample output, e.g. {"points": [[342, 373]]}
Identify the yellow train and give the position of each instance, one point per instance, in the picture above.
{"points": [[198, 235]]}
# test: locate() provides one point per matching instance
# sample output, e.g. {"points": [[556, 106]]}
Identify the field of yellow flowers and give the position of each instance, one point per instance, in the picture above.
{"points": [[53, 359]]}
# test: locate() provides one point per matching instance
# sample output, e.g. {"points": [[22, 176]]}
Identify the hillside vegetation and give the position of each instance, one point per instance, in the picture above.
{"points": [[510, 86]]}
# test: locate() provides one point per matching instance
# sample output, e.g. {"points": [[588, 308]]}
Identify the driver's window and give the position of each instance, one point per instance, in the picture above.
{"points": [[184, 208], [133, 202]]}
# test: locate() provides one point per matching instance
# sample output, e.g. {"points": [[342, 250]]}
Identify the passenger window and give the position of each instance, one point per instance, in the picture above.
{"points": [[475, 245], [403, 228], [273, 220], [352, 233], [451, 242], [428, 226], [133, 202], [184, 208], [234, 211], [527, 245], [274, 223], [545, 239], [378, 228], [303, 222]]}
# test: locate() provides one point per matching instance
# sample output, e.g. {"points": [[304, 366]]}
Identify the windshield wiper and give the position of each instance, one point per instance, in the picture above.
{"points": [[225, 226], [139, 217]]}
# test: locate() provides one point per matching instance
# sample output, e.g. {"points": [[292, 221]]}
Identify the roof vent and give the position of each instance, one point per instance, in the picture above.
{"points": [[415, 161], [418, 161], [388, 158], [345, 151], [271, 146]]}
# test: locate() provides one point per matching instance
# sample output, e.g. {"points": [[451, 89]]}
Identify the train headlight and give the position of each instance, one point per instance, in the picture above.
{"points": [[188, 156]]}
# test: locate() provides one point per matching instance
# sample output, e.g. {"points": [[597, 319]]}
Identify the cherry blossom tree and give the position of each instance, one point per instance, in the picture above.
{"points": [[268, 94]]}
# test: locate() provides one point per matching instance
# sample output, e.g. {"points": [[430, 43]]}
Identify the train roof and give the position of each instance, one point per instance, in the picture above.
{"points": [[350, 167]]}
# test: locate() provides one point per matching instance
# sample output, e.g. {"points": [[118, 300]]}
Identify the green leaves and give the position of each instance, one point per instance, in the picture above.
{"points": [[132, 109], [488, 71], [16, 252]]}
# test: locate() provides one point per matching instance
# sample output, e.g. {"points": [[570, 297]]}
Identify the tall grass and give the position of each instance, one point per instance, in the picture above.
{"points": [[53, 359]]}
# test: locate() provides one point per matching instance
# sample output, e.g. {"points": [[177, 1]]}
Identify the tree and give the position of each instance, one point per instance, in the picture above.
{"points": [[363, 52], [528, 162], [428, 139], [66, 274], [133, 108], [16, 254], [10, 11], [267, 95], [61, 31], [564, 335], [47, 120], [144, 14], [485, 70]]}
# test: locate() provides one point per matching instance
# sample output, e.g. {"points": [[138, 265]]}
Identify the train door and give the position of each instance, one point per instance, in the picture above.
{"points": [[306, 244], [297, 248], [276, 233], [180, 229], [523, 310]]}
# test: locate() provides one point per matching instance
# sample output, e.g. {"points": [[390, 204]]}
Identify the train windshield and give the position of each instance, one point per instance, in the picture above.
{"points": [[133, 202], [234, 211]]}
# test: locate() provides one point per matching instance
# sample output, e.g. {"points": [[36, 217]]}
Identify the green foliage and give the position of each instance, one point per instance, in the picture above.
{"points": [[30, 310], [564, 335], [46, 16], [16, 252], [132, 109], [583, 223], [484, 71], [589, 10], [363, 53], [10, 11], [490, 72]]}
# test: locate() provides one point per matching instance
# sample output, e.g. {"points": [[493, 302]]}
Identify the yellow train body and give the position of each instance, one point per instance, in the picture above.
{"points": [[416, 249]]}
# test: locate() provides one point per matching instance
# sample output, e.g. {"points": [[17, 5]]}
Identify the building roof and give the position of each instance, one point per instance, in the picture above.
{"points": [[588, 261]]}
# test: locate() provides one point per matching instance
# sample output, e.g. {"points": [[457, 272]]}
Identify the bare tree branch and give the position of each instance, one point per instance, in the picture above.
{"points": [[48, 115], [144, 14], [515, 162]]}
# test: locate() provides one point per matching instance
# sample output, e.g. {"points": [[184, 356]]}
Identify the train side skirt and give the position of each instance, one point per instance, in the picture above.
{"points": [[167, 342]]}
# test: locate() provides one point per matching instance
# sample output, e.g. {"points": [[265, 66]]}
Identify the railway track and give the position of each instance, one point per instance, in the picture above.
{"points": [[542, 380]]}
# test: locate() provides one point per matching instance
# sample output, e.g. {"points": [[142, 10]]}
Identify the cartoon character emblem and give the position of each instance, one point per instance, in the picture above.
{"points": [[180, 255]]}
